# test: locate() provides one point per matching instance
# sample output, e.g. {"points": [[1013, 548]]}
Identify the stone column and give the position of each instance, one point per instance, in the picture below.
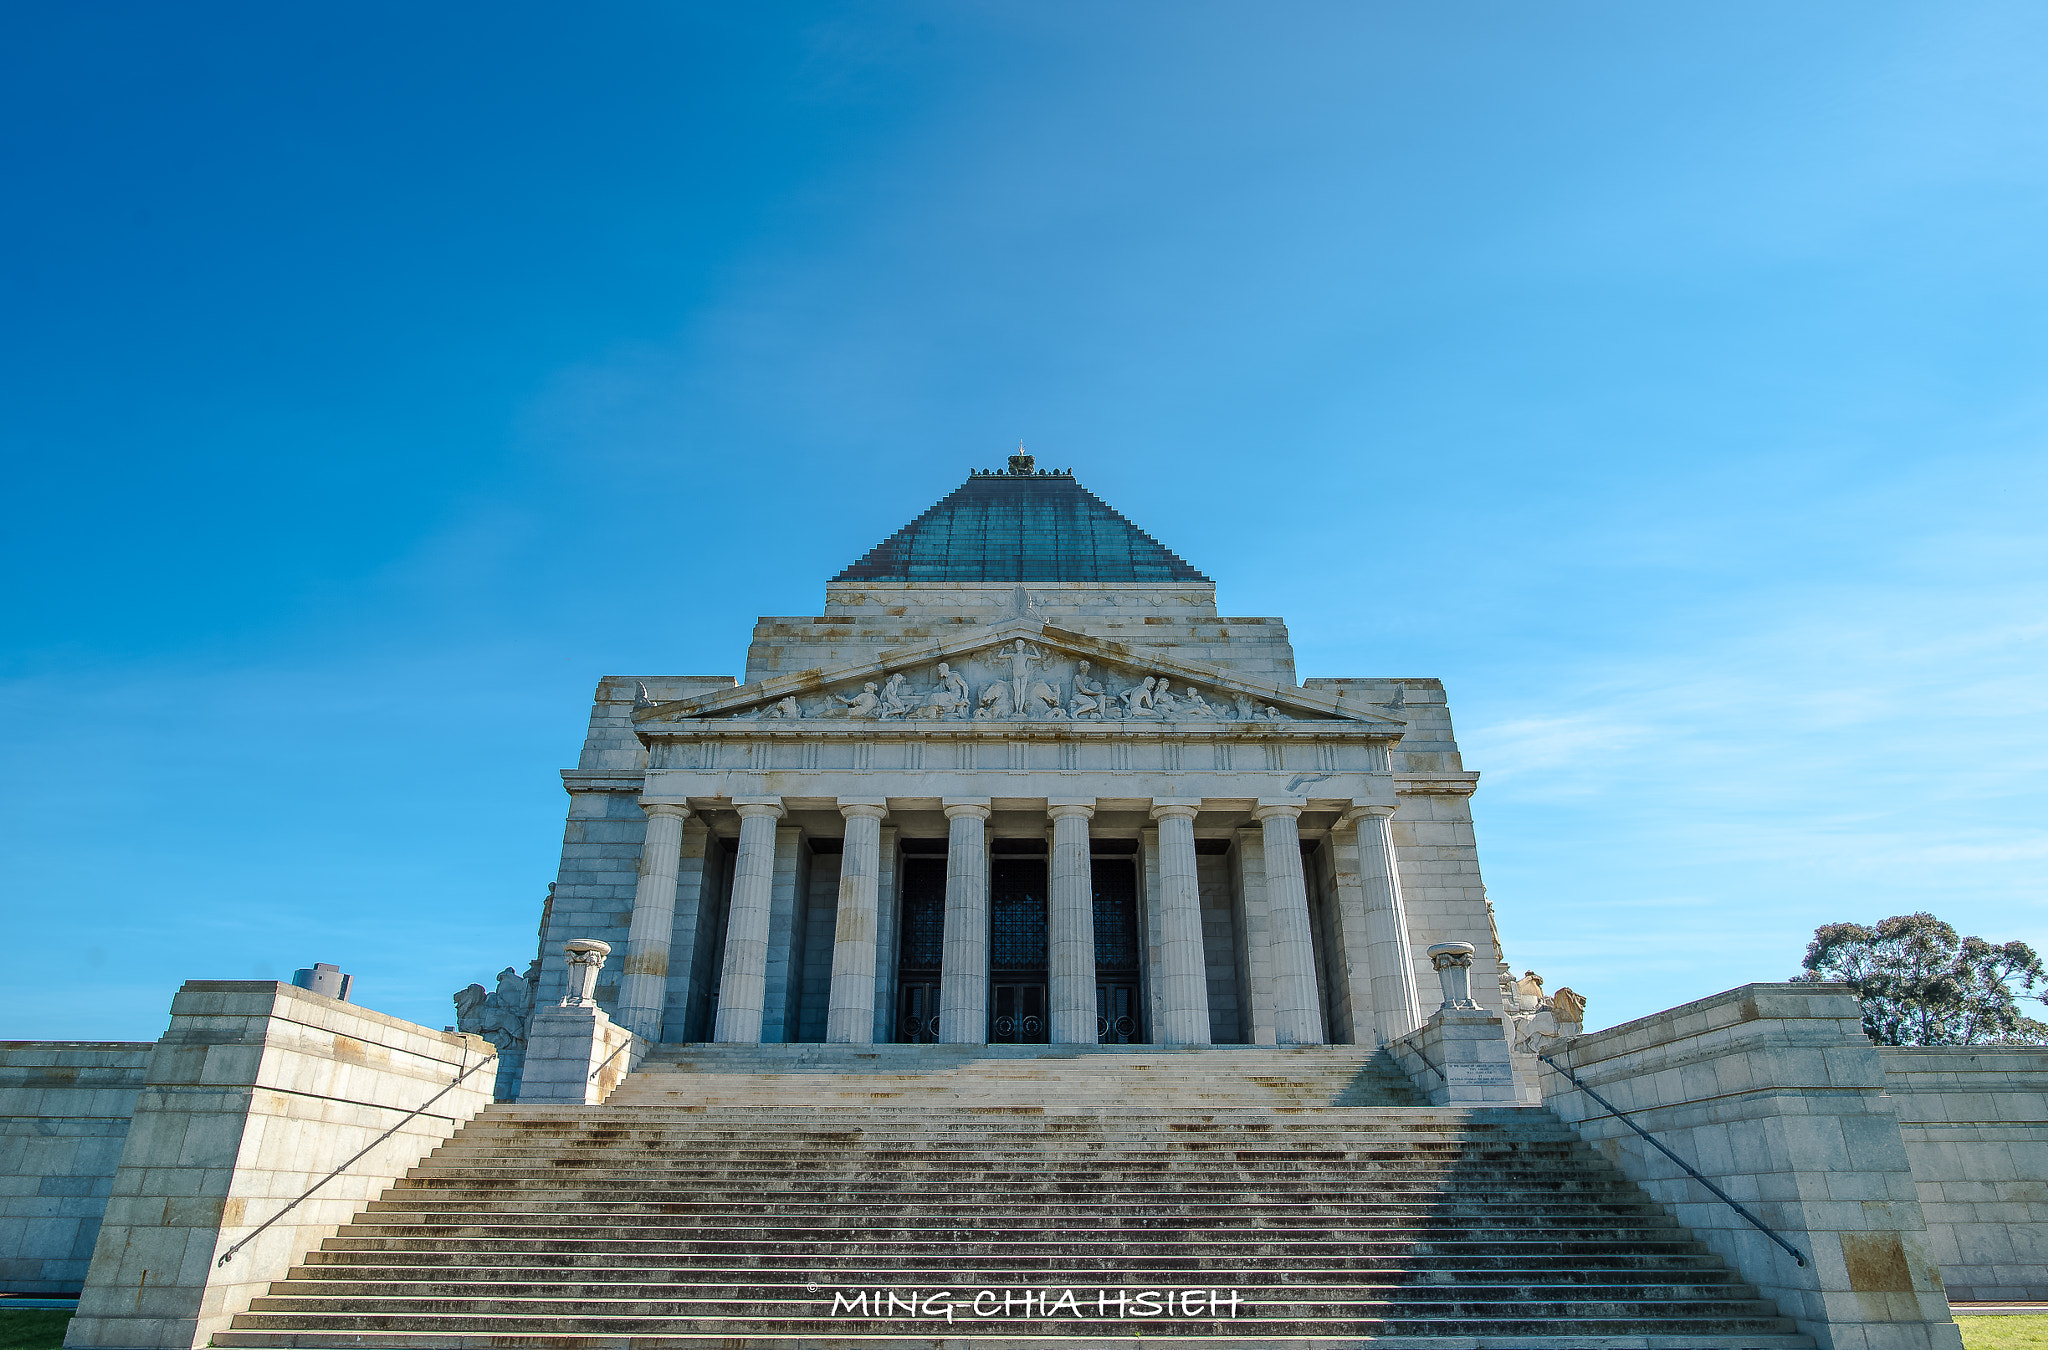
{"points": [[743, 988], [1070, 926], [1183, 972], [1397, 1005], [1297, 1012], [850, 1018], [643, 990], [963, 968]]}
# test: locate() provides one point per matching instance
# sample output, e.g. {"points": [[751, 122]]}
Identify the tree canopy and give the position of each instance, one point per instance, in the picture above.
{"points": [[1920, 984]]}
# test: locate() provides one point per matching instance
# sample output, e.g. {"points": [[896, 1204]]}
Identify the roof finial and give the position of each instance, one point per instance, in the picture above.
{"points": [[1021, 463]]}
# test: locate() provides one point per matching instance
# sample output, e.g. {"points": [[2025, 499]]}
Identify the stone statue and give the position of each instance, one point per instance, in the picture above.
{"points": [[1529, 991], [1544, 1030], [949, 699], [867, 703], [1194, 705], [784, 708], [894, 701], [1138, 699], [1273, 714], [500, 1016], [1163, 701], [1247, 709], [995, 703], [469, 1009], [1090, 699], [640, 695], [1022, 656]]}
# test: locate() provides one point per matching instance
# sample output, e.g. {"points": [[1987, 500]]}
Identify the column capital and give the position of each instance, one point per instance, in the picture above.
{"points": [[1176, 808], [680, 810], [749, 807], [1266, 810], [1364, 812], [976, 807], [871, 808], [1065, 808]]}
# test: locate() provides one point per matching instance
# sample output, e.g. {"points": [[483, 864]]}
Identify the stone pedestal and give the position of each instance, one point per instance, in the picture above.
{"points": [[1459, 1057], [576, 1055]]}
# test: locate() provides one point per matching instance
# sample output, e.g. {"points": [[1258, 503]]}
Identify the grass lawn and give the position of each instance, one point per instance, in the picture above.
{"points": [[43, 1328], [2028, 1332]]}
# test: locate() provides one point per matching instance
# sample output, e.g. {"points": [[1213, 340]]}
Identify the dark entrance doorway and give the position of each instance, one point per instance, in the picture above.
{"points": [[922, 949], [1016, 915], [1117, 1019]]}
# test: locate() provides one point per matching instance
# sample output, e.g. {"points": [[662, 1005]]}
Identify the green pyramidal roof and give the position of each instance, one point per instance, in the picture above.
{"points": [[1023, 525]]}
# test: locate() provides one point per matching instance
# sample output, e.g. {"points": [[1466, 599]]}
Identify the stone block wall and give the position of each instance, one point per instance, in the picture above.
{"points": [[1975, 1123], [64, 1110], [256, 1092], [1773, 1092]]}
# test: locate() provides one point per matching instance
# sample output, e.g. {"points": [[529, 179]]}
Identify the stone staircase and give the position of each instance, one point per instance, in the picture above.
{"points": [[839, 1195]]}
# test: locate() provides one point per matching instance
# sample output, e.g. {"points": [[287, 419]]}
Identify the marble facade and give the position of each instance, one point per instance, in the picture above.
{"points": [[971, 727]]}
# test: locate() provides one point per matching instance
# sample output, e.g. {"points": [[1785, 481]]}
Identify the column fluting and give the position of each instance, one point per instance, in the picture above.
{"points": [[1297, 1011], [1397, 1003], [1070, 927], [1183, 970], [643, 984], [743, 986], [850, 1016], [963, 968]]}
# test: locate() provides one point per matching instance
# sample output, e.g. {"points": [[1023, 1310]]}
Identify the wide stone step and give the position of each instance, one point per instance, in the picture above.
{"points": [[953, 1208], [630, 1283], [1694, 1264]]}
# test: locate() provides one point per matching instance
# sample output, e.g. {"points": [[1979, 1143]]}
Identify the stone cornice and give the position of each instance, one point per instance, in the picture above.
{"points": [[1437, 784]]}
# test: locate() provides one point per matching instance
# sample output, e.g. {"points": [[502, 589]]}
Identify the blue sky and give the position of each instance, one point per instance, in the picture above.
{"points": [[1668, 380]]}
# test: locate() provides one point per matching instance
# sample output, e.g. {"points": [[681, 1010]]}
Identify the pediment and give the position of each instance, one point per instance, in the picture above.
{"points": [[1016, 671]]}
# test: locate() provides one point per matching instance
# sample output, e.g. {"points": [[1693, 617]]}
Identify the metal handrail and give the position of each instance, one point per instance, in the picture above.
{"points": [[257, 1231], [1690, 1170]]}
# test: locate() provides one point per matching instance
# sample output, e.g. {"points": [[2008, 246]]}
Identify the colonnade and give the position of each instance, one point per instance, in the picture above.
{"points": [[1181, 1006]]}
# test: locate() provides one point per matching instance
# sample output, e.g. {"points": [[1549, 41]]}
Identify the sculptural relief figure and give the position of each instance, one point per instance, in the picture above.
{"points": [[1022, 657], [1090, 700], [1273, 714], [781, 708], [1529, 991], [895, 699], [1192, 704], [1137, 699], [867, 703], [1247, 710], [1043, 700], [1163, 700], [948, 699], [995, 703]]}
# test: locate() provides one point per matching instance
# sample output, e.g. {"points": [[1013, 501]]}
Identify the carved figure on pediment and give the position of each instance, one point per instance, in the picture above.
{"points": [[1137, 700], [783, 708], [1022, 656], [1245, 709], [1164, 702], [1273, 714], [1090, 699], [1192, 704], [867, 703], [948, 699], [995, 703], [895, 699], [1043, 701]]}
